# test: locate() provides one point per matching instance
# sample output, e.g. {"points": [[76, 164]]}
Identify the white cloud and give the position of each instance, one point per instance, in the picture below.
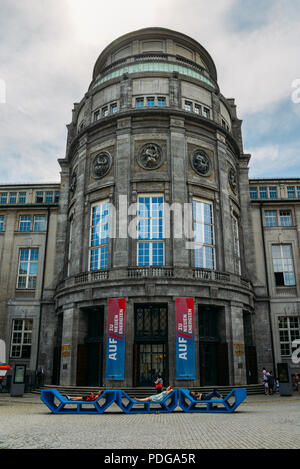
{"points": [[48, 49]]}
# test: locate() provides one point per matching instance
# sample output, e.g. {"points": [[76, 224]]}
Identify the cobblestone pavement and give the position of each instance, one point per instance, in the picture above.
{"points": [[260, 422]]}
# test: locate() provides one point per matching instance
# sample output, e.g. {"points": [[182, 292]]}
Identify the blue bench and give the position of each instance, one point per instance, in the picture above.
{"points": [[131, 406], [58, 404], [226, 405]]}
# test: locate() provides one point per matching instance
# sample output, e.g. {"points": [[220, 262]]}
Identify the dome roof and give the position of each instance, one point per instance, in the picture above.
{"points": [[154, 38]]}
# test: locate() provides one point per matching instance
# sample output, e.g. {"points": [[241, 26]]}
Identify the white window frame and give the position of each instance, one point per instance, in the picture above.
{"points": [[290, 336], [284, 264], [23, 335], [236, 245], [27, 276], [100, 246], [151, 241], [203, 244]]}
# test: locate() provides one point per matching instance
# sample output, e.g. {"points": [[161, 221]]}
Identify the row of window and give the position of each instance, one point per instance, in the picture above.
{"points": [[20, 197], [27, 223], [21, 342], [154, 101], [278, 218], [271, 192], [150, 234]]}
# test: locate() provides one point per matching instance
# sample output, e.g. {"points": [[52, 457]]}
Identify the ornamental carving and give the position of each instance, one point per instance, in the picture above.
{"points": [[73, 183], [232, 180], [101, 164], [201, 163], [150, 156]]}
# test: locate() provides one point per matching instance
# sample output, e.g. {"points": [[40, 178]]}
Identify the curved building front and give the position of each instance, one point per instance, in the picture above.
{"points": [[152, 236]]}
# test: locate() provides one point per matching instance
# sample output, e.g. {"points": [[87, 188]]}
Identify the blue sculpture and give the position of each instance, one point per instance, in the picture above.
{"points": [[58, 404]]}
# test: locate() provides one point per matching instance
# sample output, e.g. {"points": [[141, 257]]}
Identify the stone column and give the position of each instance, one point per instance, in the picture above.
{"points": [[238, 345], [79, 209], [122, 175], [179, 186], [227, 262], [69, 346]]}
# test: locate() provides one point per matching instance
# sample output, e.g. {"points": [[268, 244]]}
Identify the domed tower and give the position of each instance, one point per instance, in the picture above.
{"points": [[153, 224]]}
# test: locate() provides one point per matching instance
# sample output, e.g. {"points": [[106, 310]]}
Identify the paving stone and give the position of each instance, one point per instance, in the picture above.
{"points": [[269, 422]]}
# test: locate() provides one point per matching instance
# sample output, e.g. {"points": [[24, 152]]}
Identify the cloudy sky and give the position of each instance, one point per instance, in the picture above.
{"points": [[48, 49]]}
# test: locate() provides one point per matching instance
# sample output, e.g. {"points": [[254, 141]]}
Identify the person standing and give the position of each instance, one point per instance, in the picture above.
{"points": [[159, 383], [265, 381], [270, 383]]}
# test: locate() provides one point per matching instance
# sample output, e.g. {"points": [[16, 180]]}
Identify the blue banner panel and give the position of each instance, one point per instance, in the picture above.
{"points": [[185, 339], [115, 348]]}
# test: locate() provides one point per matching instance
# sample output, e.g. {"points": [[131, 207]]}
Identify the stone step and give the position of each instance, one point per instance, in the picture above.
{"points": [[147, 391]]}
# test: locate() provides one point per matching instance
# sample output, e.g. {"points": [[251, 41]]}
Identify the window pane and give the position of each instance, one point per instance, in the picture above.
{"points": [[271, 218]]}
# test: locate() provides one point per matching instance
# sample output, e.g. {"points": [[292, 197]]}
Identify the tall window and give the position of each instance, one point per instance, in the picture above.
{"points": [[139, 102], [25, 223], [253, 192], [12, 197], [291, 192], [273, 192], [150, 102], [289, 330], [39, 197], [21, 338], [271, 218], [2, 220], [161, 101], [22, 197], [150, 245], [203, 234], [188, 106], [28, 267], [70, 247], [49, 197], [99, 236], [236, 246], [285, 218], [283, 264], [263, 192], [3, 198]]}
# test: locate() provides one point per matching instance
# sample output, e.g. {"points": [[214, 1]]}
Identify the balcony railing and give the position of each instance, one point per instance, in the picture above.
{"points": [[162, 272], [205, 274], [87, 277], [142, 272]]}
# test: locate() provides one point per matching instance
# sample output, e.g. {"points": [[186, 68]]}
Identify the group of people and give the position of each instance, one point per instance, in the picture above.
{"points": [[158, 397], [270, 383]]}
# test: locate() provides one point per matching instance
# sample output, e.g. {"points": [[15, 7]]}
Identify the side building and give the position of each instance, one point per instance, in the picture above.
{"points": [[275, 211], [28, 223]]}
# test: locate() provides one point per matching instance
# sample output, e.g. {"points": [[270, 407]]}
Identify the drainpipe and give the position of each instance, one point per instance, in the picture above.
{"points": [[268, 286], [42, 288]]}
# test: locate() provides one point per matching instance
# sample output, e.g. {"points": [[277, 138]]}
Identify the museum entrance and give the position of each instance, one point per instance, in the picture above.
{"points": [[213, 349], [150, 344], [90, 354]]}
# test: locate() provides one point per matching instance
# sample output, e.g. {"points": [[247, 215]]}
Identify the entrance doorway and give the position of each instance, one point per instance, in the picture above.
{"points": [[151, 343], [214, 369], [90, 354]]}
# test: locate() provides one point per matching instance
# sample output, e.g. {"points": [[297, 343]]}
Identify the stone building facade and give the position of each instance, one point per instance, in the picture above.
{"points": [[154, 211], [28, 223], [154, 128], [275, 212]]}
